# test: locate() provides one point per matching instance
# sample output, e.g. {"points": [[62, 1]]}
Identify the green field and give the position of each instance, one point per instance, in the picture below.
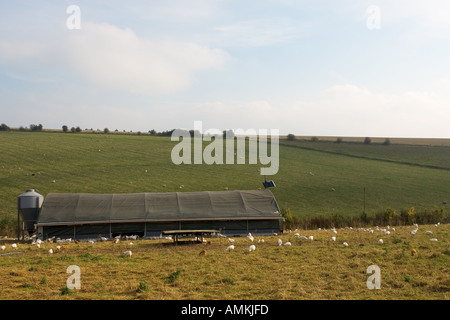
{"points": [[316, 269], [311, 183], [412, 152]]}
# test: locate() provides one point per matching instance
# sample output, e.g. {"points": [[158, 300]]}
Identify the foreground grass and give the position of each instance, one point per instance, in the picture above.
{"points": [[318, 269]]}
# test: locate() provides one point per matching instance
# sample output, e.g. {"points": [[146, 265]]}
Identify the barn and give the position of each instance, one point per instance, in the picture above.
{"points": [[88, 215]]}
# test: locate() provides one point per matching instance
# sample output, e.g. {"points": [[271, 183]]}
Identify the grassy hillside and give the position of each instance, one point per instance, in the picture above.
{"points": [[337, 177], [309, 182], [432, 155], [308, 269]]}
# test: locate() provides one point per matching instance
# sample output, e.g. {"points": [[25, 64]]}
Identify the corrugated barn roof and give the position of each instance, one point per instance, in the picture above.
{"points": [[88, 208]]}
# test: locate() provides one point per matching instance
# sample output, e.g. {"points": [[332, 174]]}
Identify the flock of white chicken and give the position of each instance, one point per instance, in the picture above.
{"points": [[252, 247], [37, 242], [382, 231]]}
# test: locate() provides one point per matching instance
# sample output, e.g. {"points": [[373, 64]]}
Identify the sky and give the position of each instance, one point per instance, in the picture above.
{"points": [[376, 68]]}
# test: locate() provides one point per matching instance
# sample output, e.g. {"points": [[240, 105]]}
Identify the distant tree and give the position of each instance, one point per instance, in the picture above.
{"points": [[152, 132], [290, 137], [167, 133], [65, 128], [387, 142], [338, 140], [34, 127], [194, 133], [289, 219], [106, 130], [4, 127], [77, 129], [228, 134], [73, 130], [314, 139], [367, 140]]}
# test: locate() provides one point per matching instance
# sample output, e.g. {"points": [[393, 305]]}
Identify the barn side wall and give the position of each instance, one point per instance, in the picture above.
{"points": [[154, 229]]}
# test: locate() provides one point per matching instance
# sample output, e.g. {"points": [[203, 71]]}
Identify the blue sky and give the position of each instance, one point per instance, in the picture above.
{"points": [[323, 68]]}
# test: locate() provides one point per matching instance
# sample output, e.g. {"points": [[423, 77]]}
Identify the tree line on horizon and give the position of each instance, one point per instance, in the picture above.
{"points": [[367, 140], [66, 129], [33, 127], [167, 133]]}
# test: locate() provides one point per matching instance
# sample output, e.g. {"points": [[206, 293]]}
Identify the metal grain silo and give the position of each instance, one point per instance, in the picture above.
{"points": [[28, 207]]}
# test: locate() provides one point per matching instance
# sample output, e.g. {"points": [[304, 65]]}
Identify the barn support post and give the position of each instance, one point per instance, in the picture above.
{"points": [[18, 219], [18, 225]]}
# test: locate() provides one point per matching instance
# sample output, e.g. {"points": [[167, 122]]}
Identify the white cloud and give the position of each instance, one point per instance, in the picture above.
{"points": [[176, 10], [260, 32], [422, 21], [117, 58], [340, 110], [16, 51], [72, 109], [351, 110]]}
